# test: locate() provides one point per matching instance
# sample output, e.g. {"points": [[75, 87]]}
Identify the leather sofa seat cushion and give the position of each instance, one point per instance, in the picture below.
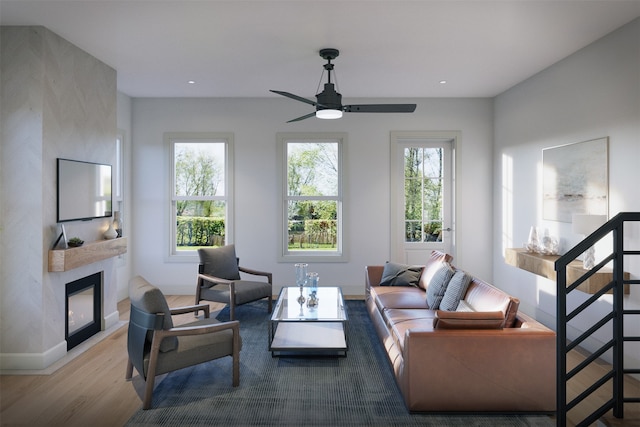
{"points": [[398, 315], [399, 320], [399, 329], [387, 297]]}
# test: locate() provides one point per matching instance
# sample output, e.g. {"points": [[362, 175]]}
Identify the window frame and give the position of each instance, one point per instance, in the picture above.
{"points": [[171, 139], [341, 253]]}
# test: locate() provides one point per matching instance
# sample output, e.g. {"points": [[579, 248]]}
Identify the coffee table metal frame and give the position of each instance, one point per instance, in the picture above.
{"points": [[296, 328]]}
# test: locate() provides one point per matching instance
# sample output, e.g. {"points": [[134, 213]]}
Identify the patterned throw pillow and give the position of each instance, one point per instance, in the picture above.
{"points": [[438, 285], [395, 274], [455, 291]]}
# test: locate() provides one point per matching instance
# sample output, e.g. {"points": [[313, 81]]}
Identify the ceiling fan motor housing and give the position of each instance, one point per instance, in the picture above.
{"points": [[329, 98]]}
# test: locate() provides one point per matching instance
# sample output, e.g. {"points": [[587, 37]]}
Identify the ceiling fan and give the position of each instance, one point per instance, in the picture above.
{"points": [[329, 102]]}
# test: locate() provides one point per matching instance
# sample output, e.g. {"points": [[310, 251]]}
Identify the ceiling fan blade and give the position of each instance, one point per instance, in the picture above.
{"points": [[306, 116], [296, 97], [380, 108]]}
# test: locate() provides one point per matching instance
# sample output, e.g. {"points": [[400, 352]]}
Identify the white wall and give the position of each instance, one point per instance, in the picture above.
{"points": [[57, 101], [254, 123], [593, 93]]}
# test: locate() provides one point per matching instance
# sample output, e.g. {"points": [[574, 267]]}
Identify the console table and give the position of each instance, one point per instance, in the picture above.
{"points": [[543, 265]]}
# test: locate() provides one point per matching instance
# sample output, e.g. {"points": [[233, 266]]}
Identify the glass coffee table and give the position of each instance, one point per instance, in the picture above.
{"points": [[298, 326]]}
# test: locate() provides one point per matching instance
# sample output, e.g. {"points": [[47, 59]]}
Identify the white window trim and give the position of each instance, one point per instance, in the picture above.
{"points": [[170, 138], [342, 242]]}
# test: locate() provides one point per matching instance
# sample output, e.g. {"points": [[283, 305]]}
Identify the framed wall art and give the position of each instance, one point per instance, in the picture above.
{"points": [[576, 180]]}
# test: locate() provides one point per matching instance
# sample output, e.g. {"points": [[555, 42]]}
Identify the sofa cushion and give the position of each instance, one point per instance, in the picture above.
{"points": [[398, 315], [395, 274], [438, 285], [387, 297], [434, 262], [468, 320], [456, 288], [482, 296], [401, 321]]}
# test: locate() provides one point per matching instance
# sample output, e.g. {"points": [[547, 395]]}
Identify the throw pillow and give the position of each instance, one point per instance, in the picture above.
{"points": [[395, 274], [438, 285], [455, 291]]}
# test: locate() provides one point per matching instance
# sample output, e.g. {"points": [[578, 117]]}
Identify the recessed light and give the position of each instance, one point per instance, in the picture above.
{"points": [[443, 82], [191, 82]]}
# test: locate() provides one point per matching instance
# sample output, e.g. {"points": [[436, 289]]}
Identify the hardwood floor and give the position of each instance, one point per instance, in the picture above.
{"points": [[91, 389]]}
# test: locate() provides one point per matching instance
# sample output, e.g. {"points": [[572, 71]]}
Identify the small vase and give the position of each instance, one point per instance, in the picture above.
{"points": [[117, 223], [111, 232], [301, 274], [532, 243]]}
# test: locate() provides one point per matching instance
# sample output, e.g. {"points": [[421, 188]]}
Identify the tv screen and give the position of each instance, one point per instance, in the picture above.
{"points": [[84, 190]]}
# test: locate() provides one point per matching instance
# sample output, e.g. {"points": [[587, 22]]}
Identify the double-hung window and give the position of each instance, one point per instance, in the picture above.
{"points": [[201, 190], [312, 185]]}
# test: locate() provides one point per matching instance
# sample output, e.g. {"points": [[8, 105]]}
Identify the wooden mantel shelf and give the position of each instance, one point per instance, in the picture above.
{"points": [[543, 265], [68, 259]]}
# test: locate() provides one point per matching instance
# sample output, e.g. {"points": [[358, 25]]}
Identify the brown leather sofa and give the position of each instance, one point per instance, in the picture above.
{"points": [[485, 357]]}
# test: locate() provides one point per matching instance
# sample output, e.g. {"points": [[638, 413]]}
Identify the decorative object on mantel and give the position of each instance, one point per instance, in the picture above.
{"points": [[117, 223], [585, 225], [75, 242], [546, 245], [532, 243], [111, 232], [62, 238], [575, 179]]}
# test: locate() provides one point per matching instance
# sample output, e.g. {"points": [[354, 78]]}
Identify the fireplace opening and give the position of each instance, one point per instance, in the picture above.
{"points": [[83, 309]]}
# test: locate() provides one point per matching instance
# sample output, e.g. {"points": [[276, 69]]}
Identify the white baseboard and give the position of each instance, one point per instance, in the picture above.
{"points": [[110, 320], [13, 361], [28, 362]]}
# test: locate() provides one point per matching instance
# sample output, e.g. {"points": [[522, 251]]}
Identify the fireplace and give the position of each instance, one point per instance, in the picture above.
{"points": [[83, 309]]}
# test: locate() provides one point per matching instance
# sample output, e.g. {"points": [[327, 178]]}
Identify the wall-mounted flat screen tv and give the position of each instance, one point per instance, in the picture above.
{"points": [[84, 190]]}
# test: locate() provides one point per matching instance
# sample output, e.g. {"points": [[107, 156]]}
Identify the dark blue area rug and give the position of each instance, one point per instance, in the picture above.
{"points": [[356, 390]]}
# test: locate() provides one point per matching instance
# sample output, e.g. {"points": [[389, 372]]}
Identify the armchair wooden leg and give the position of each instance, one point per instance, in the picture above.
{"points": [[129, 373], [232, 311], [236, 356], [270, 304], [148, 391]]}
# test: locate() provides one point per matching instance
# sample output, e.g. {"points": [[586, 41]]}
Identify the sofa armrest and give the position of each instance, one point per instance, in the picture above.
{"points": [[510, 369], [468, 320], [373, 275]]}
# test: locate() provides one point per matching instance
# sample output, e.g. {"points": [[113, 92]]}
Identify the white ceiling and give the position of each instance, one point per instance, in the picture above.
{"points": [[388, 48]]}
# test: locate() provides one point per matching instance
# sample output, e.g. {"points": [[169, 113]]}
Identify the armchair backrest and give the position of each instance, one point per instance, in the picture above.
{"points": [[141, 324], [219, 262], [149, 299]]}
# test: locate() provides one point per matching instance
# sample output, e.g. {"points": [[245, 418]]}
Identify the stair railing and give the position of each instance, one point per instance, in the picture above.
{"points": [[616, 316]]}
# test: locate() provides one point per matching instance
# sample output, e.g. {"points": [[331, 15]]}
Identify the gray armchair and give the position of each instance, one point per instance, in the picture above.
{"points": [[219, 280], [156, 347]]}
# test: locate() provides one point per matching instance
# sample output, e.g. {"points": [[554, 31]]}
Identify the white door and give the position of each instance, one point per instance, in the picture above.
{"points": [[422, 194]]}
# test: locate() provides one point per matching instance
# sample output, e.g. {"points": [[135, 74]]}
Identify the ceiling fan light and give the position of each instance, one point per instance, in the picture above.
{"points": [[329, 114]]}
